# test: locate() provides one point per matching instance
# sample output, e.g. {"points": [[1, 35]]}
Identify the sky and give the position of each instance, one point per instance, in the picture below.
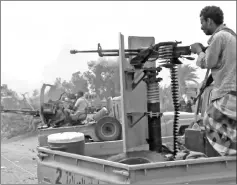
{"points": [[36, 36]]}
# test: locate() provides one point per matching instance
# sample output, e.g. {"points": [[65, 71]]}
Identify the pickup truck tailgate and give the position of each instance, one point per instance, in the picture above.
{"points": [[56, 167]]}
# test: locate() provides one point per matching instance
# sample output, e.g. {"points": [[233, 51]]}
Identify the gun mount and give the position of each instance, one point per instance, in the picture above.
{"points": [[169, 54], [53, 112]]}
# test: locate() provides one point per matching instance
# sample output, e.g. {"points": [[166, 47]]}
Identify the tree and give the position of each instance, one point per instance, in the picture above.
{"points": [[5, 91], [90, 77], [78, 82], [9, 98], [103, 76], [186, 73], [58, 83], [166, 101], [35, 93], [67, 86]]}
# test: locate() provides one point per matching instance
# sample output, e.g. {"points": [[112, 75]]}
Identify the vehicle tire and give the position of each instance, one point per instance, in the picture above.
{"points": [[108, 129]]}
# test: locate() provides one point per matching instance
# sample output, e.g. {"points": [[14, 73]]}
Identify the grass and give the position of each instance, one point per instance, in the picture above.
{"points": [[14, 125]]}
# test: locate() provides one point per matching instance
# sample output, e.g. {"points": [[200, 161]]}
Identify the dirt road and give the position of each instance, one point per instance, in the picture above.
{"points": [[18, 160]]}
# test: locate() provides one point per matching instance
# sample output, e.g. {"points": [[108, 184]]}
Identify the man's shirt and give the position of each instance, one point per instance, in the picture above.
{"points": [[81, 104], [220, 57]]}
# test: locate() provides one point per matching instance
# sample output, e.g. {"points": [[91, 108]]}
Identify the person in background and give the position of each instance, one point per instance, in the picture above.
{"points": [[79, 111], [189, 106], [182, 104], [220, 57]]}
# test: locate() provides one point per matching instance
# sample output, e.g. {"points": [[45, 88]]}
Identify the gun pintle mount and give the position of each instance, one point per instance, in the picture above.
{"points": [[169, 54]]}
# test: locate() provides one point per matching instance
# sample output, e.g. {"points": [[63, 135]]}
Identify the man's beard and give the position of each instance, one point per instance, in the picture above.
{"points": [[207, 32]]}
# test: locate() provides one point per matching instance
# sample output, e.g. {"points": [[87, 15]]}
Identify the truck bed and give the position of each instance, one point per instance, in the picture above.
{"points": [[56, 167]]}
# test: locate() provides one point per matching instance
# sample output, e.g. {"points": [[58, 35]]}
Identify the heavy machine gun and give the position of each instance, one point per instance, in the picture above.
{"points": [[24, 111], [168, 54], [150, 52], [51, 113]]}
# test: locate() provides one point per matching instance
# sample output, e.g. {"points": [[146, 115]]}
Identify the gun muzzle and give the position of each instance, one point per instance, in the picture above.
{"points": [[73, 51]]}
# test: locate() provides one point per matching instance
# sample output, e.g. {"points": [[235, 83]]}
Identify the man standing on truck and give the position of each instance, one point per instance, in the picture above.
{"points": [[220, 57]]}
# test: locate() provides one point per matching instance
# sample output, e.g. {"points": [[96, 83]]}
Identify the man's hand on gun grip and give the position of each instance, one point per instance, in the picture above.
{"points": [[196, 48]]}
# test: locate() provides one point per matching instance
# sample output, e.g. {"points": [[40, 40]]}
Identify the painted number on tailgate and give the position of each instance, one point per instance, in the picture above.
{"points": [[65, 177], [59, 176]]}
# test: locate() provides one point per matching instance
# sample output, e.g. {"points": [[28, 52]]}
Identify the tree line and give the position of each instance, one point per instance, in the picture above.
{"points": [[102, 78]]}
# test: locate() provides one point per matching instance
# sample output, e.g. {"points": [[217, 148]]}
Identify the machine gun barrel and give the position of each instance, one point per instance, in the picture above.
{"points": [[19, 111], [108, 52]]}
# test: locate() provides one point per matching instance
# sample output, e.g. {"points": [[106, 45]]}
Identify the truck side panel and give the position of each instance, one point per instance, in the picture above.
{"points": [[72, 169], [61, 167], [194, 173]]}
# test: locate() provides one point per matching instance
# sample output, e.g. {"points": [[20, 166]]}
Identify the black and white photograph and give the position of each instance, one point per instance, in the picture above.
{"points": [[118, 92]]}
